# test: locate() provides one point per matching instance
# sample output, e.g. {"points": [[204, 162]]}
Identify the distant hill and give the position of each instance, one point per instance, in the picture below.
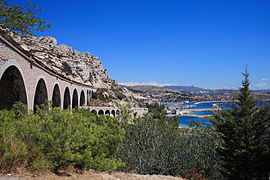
{"points": [[264, 90], [156, 93], [191, 93], [148, 88], [185, 88]]}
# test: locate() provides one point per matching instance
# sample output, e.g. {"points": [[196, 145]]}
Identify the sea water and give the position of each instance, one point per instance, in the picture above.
{"points": [[185, 120], [201, 113]]}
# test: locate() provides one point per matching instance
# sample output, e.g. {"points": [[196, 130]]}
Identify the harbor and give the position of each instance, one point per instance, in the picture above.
{"points": [[196, 111]]}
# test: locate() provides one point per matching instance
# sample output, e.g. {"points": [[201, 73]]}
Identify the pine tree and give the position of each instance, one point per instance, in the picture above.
{"points": [[244, 150], [20, 19]]}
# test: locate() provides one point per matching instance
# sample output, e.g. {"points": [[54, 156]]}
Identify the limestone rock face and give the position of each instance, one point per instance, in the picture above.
{"points": [[75, 65]]}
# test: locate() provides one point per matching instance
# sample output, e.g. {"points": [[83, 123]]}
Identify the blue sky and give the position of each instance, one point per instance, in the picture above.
{"points": [[184, 42]]}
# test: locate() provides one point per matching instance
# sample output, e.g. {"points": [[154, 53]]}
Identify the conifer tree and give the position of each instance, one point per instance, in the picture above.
{"points": [[20, 19], [244, 150]]}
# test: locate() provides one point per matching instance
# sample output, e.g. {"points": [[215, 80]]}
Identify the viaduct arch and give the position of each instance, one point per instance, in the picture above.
{"points": [[108, 111], [56, 96], [75, 99], [26, 79], [41, 94], [12, 87]]}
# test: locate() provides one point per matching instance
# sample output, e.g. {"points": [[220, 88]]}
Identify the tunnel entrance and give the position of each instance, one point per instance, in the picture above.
{"points": [[12, 88]]}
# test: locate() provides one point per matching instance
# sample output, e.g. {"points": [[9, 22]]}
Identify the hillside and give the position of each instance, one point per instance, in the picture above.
{"points": [[78, 66], [185, 88], [157, 94], [189, 93]]}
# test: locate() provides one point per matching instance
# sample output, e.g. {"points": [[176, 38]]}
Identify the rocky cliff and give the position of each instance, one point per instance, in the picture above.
{"points": [[78, 66]]}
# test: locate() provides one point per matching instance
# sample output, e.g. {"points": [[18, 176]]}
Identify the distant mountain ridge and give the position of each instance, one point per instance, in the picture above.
{"points": [[185, 88], [149, 88], [196, 89], [190, 93], [156, 93]]}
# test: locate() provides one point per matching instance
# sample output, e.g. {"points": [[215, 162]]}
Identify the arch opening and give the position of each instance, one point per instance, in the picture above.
{"points": [[56, 97], [94, 111], [107, 113], [82, 98], [113, 113], [117, 113], [75, 99], [88, 96], [12, 88], [41, 96], [66, 104], [100, 112]]}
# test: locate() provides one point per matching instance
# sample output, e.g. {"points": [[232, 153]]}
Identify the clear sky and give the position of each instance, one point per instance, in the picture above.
{"points": [[204, 43]]}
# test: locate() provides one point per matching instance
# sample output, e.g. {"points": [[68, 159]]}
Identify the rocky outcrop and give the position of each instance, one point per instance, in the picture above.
{"points": [[75, 65]]}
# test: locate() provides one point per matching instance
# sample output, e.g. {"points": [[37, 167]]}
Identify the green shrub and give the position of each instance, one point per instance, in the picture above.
{"points": [[104, 164], [13, 152], [155, 146], [156, 111], [79, 139], [41, 163]]}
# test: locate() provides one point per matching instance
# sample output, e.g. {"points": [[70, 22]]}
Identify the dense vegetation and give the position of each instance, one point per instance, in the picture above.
{"points": [[55, 139], [236, 147], [245, 135], [155, 146]]}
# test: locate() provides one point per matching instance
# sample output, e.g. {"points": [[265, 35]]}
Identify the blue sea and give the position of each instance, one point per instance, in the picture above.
{"points": [[185, 120], [206, 105], [202, 113]]}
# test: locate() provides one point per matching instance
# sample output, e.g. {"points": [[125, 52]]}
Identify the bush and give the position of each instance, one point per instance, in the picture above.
{"points": [[155, 146], [13, 152], [156, 111], [79, 139], [41, 163]]}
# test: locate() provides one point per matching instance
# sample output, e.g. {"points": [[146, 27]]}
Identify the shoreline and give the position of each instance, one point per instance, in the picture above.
{"points": [[195, 115]]}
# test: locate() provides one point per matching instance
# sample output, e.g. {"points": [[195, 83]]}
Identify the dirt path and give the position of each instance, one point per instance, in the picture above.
{"points": [[92, 176]]}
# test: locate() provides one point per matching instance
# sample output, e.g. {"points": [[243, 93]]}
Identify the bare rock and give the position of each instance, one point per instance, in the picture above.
{"points": [[47, 42], [63, 50], [75, 65]]}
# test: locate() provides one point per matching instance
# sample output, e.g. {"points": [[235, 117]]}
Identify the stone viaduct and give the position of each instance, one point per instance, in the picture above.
{"points": [[26, 79], [110, 111]]}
